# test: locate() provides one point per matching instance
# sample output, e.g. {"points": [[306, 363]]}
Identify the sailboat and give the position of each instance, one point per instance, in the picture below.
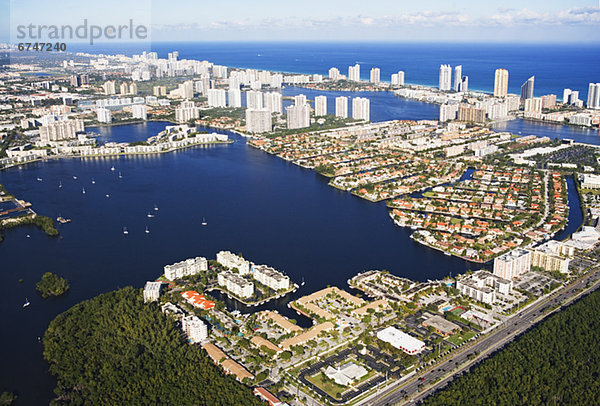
{"points": [[93, 181], [120, 176], [155, 208], [147, 231], [204, 221], [302, 284], [125, 230], [26, 303], [83, 191], [60, 184]]}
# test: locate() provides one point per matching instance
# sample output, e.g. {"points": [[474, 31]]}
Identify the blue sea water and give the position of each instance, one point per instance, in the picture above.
{"points": [[555, 66]]}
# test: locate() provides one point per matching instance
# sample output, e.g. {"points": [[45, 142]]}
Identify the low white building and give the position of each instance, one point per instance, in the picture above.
{"points": [[231, 260], [191, 266], [194, 328], [401, 340], [235, 284], [346, 374], [270, 277], [589, 181], [152, 291]]}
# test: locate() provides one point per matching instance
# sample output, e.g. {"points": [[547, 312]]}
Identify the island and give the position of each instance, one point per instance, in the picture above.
{"points": [[52, 285]]}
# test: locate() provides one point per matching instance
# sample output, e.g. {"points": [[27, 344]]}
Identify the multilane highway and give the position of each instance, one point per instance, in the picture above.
{"points": [[423, 385]]}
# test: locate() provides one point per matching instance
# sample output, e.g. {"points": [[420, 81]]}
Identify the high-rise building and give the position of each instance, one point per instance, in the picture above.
{"points": [[254, 99], [258, 120], [533, 105], [354, 73], [109, 87], [470, 114], [593, 99], [234, 97], [217, 98], [341, 107], [159, 91], [512, 264], [186, 111], [527, 88], [501, 83], [334, 73], [194, 328], [103, 115], [361, 108], [463, 84], [139, 111], [445, 82], [398, 79], [300, 100], [566, 96], [298, 116], [320, 105], [123, 88], [273, 102], [375, 75], [448, 112], [61, 130], [458, 78], [548, 101]]}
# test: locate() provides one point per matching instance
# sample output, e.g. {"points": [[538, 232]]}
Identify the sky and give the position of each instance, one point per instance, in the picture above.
{"points": [[322, 20]]}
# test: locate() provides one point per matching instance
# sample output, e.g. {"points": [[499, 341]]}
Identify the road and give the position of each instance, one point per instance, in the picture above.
{"points": [[419, 388]]}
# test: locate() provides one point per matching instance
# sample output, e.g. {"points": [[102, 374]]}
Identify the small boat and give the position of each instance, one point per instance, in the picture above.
{"points": [[447, 253], [26, 303], [107, 195], [63, 220], [75, 177], [112, 168], [204, 221], [147, 231], [155, 208], [83, 190], [120, 176], [93, 181], [149, 215], [28, 236], [125, 230], [39, 179], [302, 284]]}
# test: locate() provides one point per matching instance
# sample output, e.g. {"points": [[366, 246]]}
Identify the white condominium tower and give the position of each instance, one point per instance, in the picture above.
{"points": [[216, 98], [354, 73], [593, 100], [398, 78], [321, 106], [375, 75], [341, 107], [457, 78], [254, 99], [234, 97], [298, 116], [273, 102], [258, 120], [445, 77], [501, 83], [334, 73], [361, 108], [300, 100]]}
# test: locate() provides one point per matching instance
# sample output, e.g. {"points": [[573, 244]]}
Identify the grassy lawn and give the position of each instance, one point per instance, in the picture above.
{"points": [[333, 389], [458, 339]]}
